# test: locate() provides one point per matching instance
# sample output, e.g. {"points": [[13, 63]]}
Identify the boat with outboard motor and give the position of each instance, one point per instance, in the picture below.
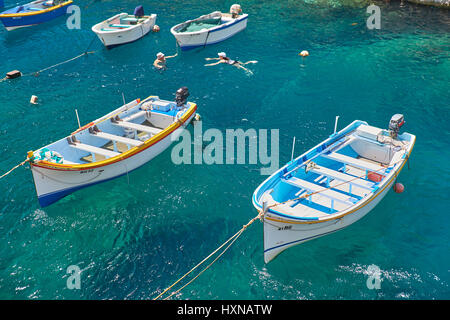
{"points": [[33, 13], [124, 28], [109, 147], [332, 185], [210, 28]]}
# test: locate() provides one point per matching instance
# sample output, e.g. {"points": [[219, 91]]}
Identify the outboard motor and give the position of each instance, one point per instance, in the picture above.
{"points": [[181, 96], [397, 121], [139, 12], [235, 10]]}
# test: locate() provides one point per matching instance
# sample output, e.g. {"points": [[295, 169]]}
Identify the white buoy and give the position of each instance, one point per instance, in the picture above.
{"points": [[33, 99], [304, 53]]}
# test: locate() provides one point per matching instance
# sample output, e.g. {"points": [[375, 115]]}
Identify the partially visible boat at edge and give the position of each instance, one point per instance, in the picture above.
{"points": [[124, 28], [109, 147], [332, 185], [33, 13], [210, 28]]}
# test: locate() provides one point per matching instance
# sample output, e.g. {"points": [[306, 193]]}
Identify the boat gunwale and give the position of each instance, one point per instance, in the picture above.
{"points": [[24, 14], [287, 218], [125, 155], [213, 29]]}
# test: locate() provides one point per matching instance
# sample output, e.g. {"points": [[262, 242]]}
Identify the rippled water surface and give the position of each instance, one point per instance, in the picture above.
{"points": [[133, 237]]}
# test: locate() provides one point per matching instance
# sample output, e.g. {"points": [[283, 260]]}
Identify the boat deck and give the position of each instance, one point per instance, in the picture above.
{"points": [[333, 179]]}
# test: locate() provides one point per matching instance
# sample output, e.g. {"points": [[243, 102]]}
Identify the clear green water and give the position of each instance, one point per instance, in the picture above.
{"points": [[134, 239]]}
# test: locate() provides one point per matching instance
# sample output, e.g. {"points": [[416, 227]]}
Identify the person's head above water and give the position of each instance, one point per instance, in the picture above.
{"points": [[222, 55], [160, 56]]}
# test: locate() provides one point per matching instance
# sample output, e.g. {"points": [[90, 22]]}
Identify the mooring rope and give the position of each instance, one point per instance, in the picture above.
{"points": [[36, 73], [233, 238], [19, 165], [58, 64]]}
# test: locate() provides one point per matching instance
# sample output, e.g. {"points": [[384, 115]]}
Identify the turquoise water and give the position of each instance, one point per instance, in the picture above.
{"points": [[133, 237]]}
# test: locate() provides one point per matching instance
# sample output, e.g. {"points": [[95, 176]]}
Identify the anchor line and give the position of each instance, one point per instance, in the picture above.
{"points": [[58, 64], [14, 168], [206, 40], [230, 242], [233, 238]]}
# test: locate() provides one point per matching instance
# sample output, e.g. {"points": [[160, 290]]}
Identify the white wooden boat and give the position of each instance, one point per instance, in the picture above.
{"points": [[208, 29], [108, 147], [330, 186], [123, 28]]}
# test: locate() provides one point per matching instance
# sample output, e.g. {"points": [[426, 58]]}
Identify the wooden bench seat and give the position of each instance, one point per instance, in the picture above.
{"points": [[312, 187], [365, 165], [113, 137], [94, 150], [138, 127], [368, 185]]}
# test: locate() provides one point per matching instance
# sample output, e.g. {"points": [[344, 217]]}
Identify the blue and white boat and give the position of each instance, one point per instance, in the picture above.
{"points": [[332, 185], [210, 28], [33, 13]]}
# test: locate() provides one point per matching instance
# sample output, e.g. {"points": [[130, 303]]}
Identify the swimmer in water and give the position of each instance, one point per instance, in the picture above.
{"points": [[224, 59], [160, 62]]}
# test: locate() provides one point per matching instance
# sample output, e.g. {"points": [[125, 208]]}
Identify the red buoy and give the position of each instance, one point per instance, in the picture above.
{"points": [[398, 187]]}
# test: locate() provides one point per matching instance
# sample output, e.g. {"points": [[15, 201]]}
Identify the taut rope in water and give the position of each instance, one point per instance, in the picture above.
{"points": [[233, 238], [36, 73], [58, 64], [19, 165], [230, 241]]}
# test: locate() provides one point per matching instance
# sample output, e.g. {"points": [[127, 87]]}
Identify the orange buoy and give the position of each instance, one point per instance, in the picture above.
{"points": [[304, 53], [398, 187], [155, 28]]}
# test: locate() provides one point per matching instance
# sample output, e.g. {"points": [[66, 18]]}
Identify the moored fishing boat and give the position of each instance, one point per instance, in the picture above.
{"points": [[33, 13], [210, 28], [124, 28], [110, 146], [332, 185]]}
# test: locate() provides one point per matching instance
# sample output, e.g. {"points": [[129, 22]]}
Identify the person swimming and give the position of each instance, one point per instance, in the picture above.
{"points": [[160, 62], [224, 59]]}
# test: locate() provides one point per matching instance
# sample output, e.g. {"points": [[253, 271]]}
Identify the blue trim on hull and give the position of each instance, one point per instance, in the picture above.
{"points": [[49, 198], [304, 239], [11, 22]]}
